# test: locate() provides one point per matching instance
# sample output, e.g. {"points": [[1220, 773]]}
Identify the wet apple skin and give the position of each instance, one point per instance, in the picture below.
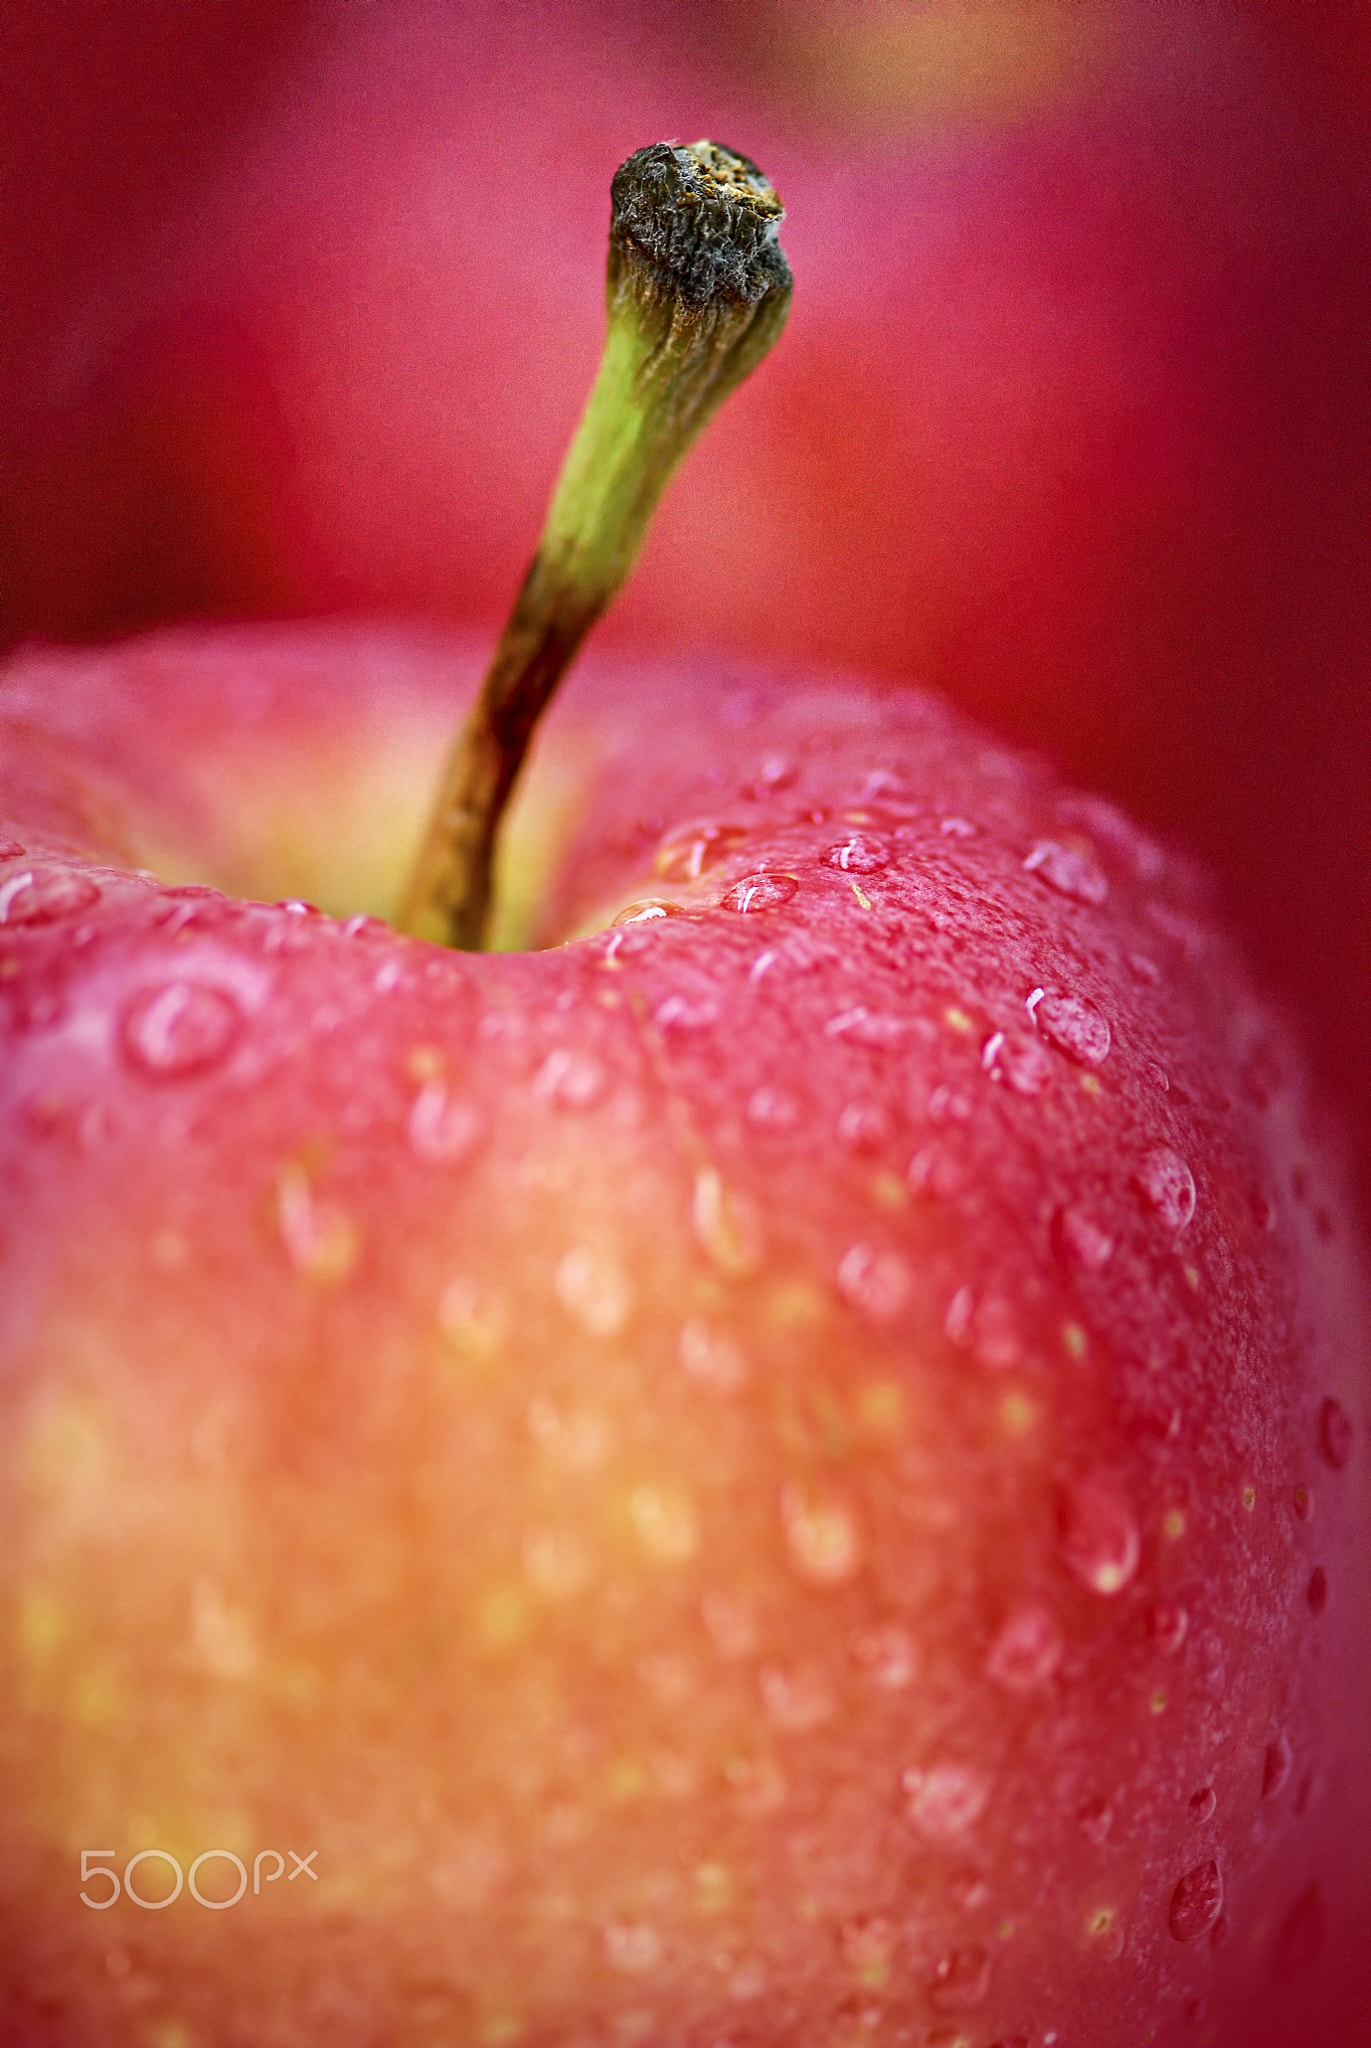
{"points": [[635, 1450]]}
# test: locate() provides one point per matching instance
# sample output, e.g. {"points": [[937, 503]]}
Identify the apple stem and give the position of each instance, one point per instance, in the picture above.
{"points": [[697, 292]]}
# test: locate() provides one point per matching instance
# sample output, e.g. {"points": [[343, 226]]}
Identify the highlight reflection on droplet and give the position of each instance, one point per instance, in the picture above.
{"points": [[1101, 1543]]}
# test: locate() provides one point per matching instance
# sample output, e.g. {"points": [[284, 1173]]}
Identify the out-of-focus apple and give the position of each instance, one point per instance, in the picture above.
{"points": [[1080, 356], [785, 1467]]}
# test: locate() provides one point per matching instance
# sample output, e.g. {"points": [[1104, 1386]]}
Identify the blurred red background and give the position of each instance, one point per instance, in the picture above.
{"points": [[1072, 420]]}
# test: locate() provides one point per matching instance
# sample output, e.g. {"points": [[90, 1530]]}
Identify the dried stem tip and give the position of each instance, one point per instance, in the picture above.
{"points": [[697, 292], [696, 225]]}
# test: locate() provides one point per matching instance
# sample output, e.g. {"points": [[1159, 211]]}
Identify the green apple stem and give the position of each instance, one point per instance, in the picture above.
{"points": [[697, 292]]}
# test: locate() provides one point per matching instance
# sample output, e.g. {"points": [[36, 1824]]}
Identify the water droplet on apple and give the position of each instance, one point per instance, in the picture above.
{"points": [[1277, 1765], [683, 1014], [885, 785], [1070, 873], [10, 849], [863, 1127], [1203, 1804], [796, 1699], [726, 1226], [944, 1800], [1264, 1076], [556, 1563], [1167, 1624], [221, 1634], [731, 1624], [1027, 1650], [1189, 937], [956, 828], [1017, 1060], [690, 851], [874, 1281], [936, 1172], [948, 1105], [1080, 1239], [594, 1290], [320, 1238], [712, 1357], [443, 1127], [776, 772], [757, 1783], [859, 855], [179, 1028], [1144, 969], [1096, 1820], [649, 911], [37, 1001], [577, 1439], [1075, 1027], [995, 1342], [1316, 1592], [569, 1079], [866, 1945], [961, 1981], [1100, 1540], [1112, 828], [960, 1312], [1335, 1433], [194, 893], [858, 1025], [664, 1517], [772, 1109], [282, 930], [45, 895], [987, 1329], [1196, 1902], [746, 1981], [1167, 1185], [474, 1320], [759, 892], [821, 1535], [969, 1889], [632, 1947], [886, 1653]]}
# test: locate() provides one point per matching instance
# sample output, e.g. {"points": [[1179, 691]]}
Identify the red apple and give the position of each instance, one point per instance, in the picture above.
{"points": [[786, 1467]]}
